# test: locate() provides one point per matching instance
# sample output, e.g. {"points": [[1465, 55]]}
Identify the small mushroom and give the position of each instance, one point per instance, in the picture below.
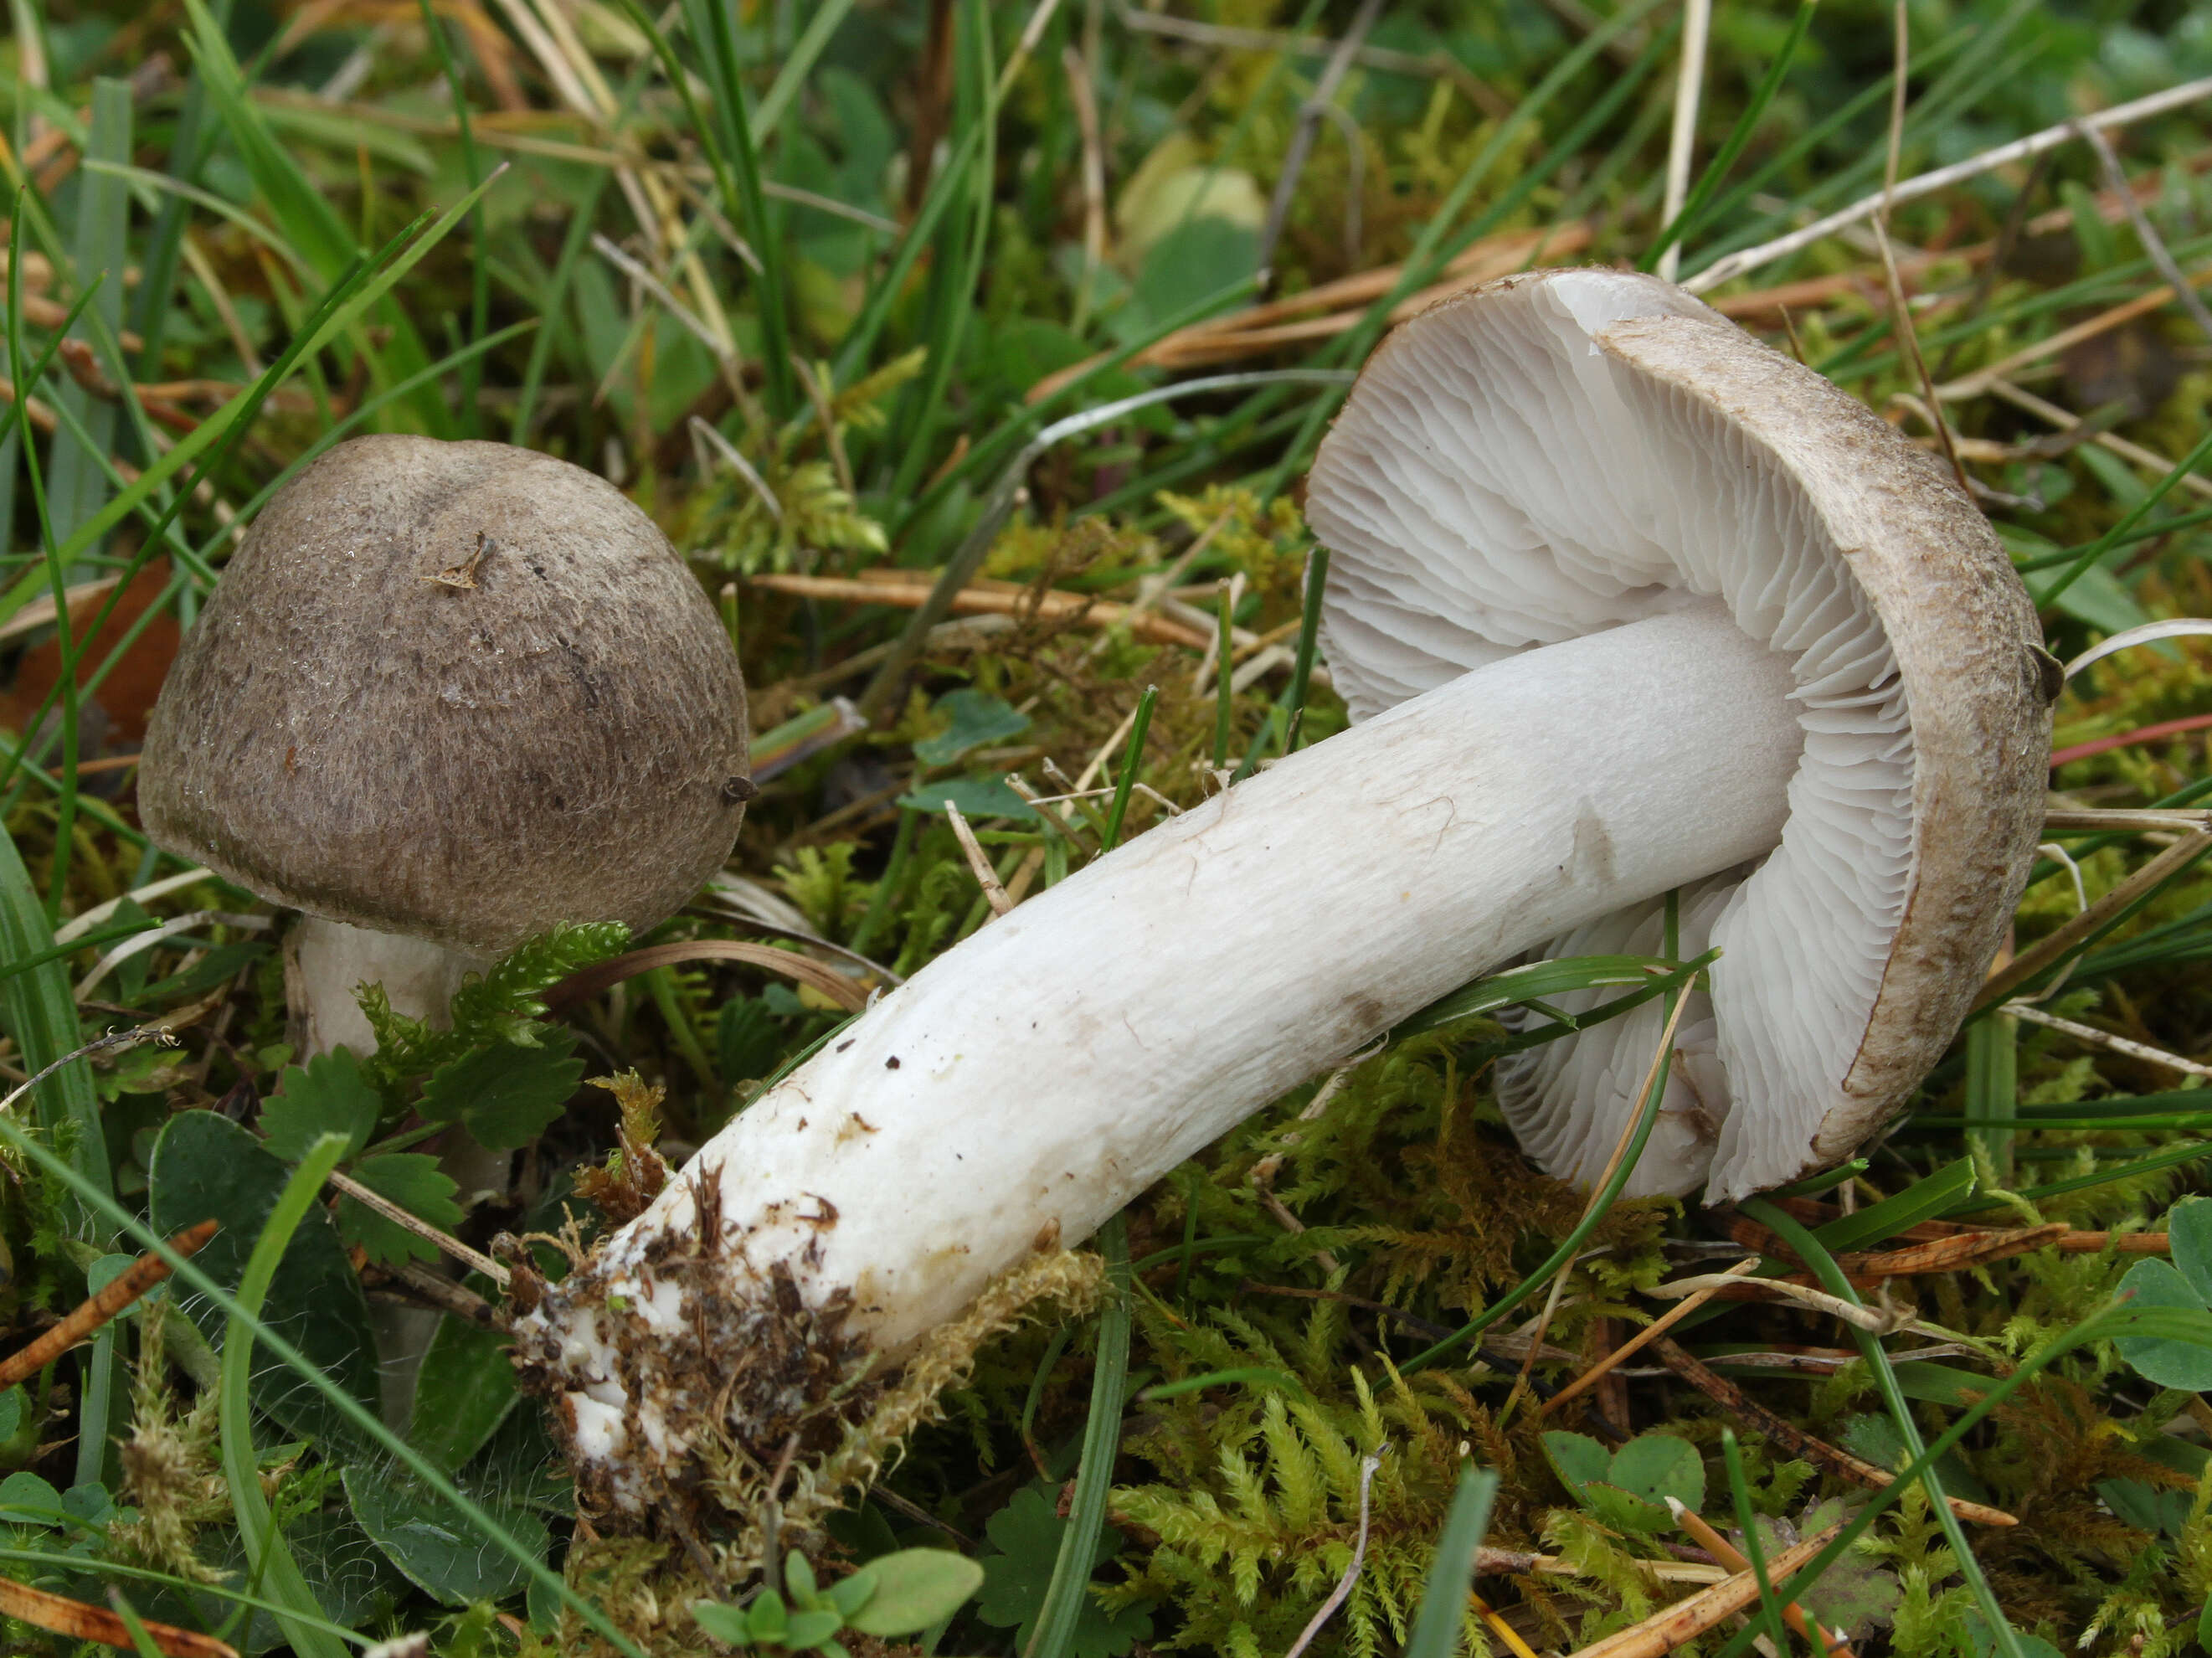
{"points": [[446, 696], [1625, 602]]}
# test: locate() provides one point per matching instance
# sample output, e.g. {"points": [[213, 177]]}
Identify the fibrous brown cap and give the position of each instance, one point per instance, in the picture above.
{"points": [[457, 690], [1562, 453]]}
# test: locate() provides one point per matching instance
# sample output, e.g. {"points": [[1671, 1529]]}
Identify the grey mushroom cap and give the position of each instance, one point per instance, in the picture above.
{"points": [[457, 691], [1564, 451]]}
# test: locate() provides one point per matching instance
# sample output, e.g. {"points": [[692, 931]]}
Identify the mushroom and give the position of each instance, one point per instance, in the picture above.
{"points": [[446, 696], [1624, 602], [1575, 451]]}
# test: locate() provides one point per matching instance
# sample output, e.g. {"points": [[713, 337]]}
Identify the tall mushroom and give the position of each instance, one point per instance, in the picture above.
{"points": [[446, 696], [1625, 600]]}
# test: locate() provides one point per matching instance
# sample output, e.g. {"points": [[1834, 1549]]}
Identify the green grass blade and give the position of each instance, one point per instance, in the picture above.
{"points": [[1224, 693], [358, 1415], [188, 150], [957, 261], [1924, 1199], [42, 1016], [306, 216], [1094, 1476], [719, 48], [2128, 521], [1810, 1250], [269, 1559], [75, 484], [1770, 1609], [479, 266], [797, 67], [56, 1562], [1433, 245], [969, 557], [1133, 758], [1436, 1626], [1693, 205], [1309, 634], [2172, 1323], [1570, 1246]]}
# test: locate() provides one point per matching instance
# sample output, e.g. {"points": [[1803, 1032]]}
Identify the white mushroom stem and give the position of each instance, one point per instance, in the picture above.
{"points": [[326, 961], [1030, 1082]]}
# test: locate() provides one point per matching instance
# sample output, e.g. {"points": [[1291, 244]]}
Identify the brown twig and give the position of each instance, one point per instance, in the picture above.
{"points": [[63, 1616], [1675, 1625], [134, 1281], [1950, 1251], [1761, 1420], [1730, 1555], [414, 1283], [1643, 1337]]}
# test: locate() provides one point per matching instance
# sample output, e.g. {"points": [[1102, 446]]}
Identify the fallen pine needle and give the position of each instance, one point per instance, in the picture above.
{"points": [[1504, 1631], [1685, 1620], [1727, 1553], [134, 1281], [63, 1616]]}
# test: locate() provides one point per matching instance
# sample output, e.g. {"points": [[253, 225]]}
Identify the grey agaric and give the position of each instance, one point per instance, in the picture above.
{"points": [[1572, 452], [446, 696], [1623, 602]]}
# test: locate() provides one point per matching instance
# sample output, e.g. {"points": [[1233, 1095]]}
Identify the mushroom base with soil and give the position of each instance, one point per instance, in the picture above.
{"points": [[1030, 1082]]}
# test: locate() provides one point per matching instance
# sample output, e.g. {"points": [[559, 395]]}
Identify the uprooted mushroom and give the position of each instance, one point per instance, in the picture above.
{"points": [[1623, 602]]}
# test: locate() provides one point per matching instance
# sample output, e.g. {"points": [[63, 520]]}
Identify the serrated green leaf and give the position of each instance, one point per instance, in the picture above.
{"points": [[976, 719], [327, 1095], [723, 1623], [413, 1182], [1025, 1536], [504, 1094], [915, 1589]]}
